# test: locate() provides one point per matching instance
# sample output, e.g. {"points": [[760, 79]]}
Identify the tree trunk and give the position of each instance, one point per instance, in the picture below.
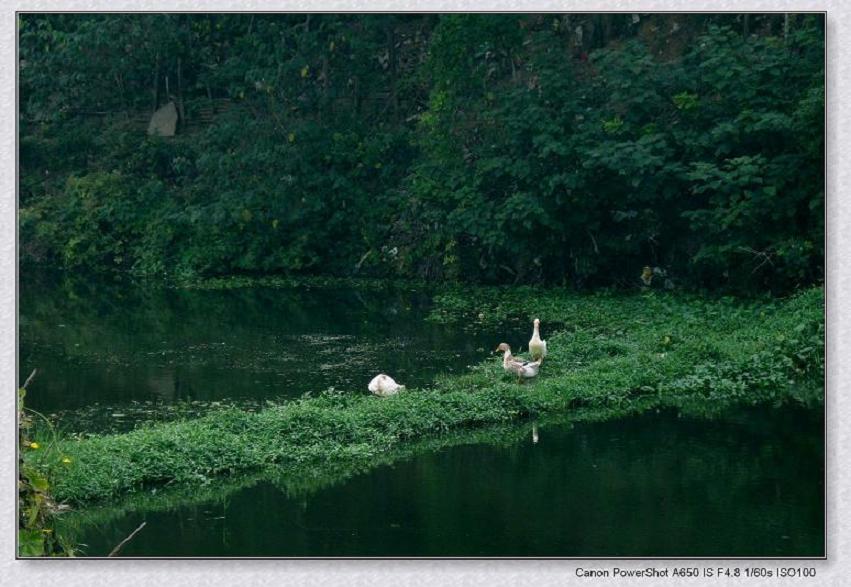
{"points": [[180, 112], [156, 89]]}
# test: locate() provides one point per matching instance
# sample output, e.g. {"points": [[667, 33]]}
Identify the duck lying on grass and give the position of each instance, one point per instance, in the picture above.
{"points": [[537, 347], [383, 385], [523, 369]]}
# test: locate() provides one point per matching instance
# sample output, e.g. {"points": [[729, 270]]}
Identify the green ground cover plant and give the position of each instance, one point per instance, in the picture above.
{"points": [[306, 479], [611, 351]]}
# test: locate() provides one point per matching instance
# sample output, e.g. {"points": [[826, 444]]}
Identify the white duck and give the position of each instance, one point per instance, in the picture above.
{"points": [[537, 347], [523, 369], [383, 385]]}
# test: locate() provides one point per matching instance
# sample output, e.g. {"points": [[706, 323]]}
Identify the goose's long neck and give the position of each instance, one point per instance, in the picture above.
{"points": [[536, 332]]}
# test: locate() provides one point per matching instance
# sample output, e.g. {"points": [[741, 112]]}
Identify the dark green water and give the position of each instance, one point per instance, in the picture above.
{"points": [[654, 485], [111, 354], [749, 484]]}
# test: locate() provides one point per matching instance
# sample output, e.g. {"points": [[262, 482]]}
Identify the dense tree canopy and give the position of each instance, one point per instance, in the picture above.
{"points": [[570, 149]]}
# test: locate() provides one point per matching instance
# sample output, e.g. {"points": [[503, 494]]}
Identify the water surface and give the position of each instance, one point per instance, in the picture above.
{"points": [[113, 353], [655, 485]]}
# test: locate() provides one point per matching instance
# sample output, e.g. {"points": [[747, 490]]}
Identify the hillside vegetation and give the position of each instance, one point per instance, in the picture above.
{"points": [[569, 149]]}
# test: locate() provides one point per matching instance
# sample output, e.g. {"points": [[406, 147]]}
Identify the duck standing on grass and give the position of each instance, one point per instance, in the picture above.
{"points": [[523, 369], [383, 385], [537, 347]]}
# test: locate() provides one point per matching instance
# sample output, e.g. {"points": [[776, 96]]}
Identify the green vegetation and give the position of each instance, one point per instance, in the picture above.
{"points": [[306, 479], [302, 482], [614, 352], [567, 149], [512, 159], [37, 535]]}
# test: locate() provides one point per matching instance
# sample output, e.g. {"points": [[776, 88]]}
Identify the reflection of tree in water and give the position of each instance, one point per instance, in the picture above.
{"points": [[107, 342], [165, 385]]}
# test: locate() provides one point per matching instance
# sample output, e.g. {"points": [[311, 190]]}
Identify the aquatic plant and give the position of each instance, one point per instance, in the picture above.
{"points": [[299, 481], [613, 351]]}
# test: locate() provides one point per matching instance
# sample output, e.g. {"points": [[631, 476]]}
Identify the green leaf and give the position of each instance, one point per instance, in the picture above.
{"points": [[39, 482], [30, 543]]}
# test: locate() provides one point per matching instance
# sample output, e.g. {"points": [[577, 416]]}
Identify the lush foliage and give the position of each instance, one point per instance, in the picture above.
{"points": [[496, 148], [37, 535], [614, 352], [307, 479], [552, 167]]}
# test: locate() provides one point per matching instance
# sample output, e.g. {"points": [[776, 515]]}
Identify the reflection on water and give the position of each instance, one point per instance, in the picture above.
{"points": [[654, 485], [112, 344], [651, 485]]}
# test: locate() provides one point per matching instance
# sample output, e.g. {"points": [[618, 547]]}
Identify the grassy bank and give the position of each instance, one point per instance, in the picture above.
{"points": [[300, 481], [610, 352]]}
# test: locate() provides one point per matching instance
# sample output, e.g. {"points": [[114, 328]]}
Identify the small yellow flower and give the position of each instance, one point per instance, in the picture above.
{"points": [[66, 460], [34, 445]]}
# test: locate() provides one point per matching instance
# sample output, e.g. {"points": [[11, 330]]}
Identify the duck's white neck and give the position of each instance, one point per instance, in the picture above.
{"points": [[536, 329], [506, 357]]}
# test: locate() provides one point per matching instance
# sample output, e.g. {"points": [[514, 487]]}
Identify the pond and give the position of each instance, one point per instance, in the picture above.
{"points": [[749, 483], [652, 485], [110, 354]]}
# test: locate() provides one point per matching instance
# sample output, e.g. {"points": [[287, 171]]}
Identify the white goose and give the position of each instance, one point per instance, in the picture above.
{"points": [[523, 369], [537, 347], [383, 385]]}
